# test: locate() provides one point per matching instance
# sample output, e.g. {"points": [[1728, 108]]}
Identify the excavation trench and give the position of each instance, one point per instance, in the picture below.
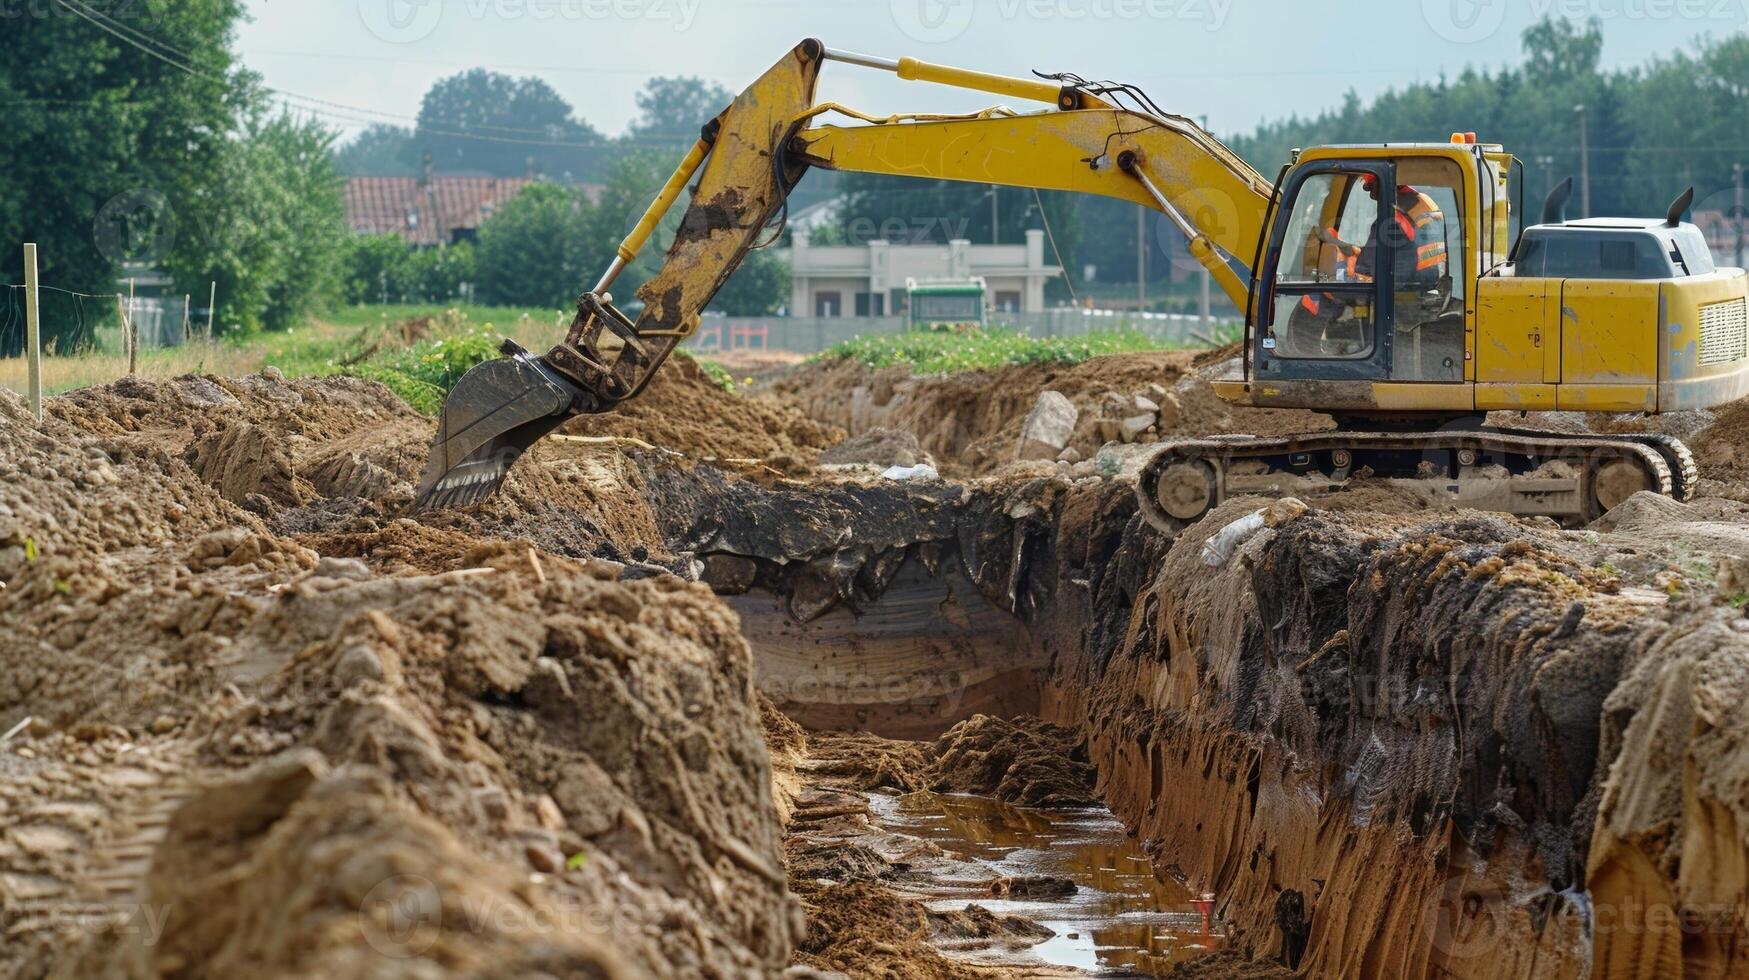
{"points": [[1387, 746], [242, 686]]}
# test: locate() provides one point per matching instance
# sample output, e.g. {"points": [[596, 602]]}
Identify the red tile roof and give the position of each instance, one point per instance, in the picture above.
{"points": [[425, 212]]}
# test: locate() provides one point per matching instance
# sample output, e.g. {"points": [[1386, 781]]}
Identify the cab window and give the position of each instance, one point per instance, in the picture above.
{"points": [[1323, 305]]}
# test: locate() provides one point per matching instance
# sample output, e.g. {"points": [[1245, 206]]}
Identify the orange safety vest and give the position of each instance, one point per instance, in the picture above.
{"points": [[1421, 224], [1426, 227]]}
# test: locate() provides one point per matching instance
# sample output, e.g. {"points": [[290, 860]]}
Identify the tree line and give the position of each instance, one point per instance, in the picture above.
{"points": [[127, 155], [1653, 131]]}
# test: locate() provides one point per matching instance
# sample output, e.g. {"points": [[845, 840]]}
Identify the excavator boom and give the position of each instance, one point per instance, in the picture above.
{"points": [[751, 156]]}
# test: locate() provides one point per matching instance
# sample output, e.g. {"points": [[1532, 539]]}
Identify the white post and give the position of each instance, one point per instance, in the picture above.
{"points": [[33, 346], [212, 301], [129, 343]]}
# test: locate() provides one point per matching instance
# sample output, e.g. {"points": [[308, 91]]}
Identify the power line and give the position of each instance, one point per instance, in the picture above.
{"points": [[150, 46]]}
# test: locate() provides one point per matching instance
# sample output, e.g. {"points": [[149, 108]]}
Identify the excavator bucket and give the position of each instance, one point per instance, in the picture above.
{"points": [[493, 414]]}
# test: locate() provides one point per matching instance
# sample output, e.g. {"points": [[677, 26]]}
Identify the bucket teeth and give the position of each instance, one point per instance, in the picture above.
{"points": [[466, 485]]}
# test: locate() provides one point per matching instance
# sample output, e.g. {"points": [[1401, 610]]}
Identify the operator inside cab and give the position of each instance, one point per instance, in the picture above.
{"points": [[1413, 236], [1417, 242]]}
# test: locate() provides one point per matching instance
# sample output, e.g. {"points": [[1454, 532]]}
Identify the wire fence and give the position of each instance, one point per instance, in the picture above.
{"points": [[76, 322], [812, 334]]}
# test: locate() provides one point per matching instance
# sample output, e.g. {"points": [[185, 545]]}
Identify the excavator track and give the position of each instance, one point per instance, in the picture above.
{"points": [[1572, 478]]}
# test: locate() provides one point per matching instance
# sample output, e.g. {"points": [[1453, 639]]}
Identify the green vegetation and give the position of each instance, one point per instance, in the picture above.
{"points": [[712, 370], [949, 351], [424, 373]]}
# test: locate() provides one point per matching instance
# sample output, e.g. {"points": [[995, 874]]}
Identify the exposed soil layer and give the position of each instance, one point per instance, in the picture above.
{"points": [[523, 738], [970, 423], [686, 411], [1420, 722], [245, 754]]}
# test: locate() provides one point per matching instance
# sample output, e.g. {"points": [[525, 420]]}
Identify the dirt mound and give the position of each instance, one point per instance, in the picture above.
{"points": [[868, 931], [527, 764], [1722, 448], [970, 423], [686, 411], [877, 447], [265, 443], [1023, 761]]}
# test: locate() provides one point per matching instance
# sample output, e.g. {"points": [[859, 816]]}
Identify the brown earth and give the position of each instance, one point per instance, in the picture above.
{"points": [[526, 763], [508, 740], [970, 423], [687, 412]]}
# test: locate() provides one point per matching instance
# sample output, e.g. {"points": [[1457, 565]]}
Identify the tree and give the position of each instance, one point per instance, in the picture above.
{"points": [[105, 144], [757, 288], [375, 269], [531, 252], [269, 229], [380, 150], [671, 110], [486, 121]]}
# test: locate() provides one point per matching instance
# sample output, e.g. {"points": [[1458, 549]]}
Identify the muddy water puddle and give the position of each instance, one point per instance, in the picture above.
{"points": [[1120, 920]]}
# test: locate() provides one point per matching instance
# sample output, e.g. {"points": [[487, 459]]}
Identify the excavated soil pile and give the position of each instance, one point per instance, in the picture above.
{"points": [[248, 757], [332, 463], [684, 410], [1023, 761], [970, 423], [265, 443]]}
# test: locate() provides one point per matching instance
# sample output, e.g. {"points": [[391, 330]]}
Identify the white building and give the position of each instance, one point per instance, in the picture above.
{"points": [[869, 279]]}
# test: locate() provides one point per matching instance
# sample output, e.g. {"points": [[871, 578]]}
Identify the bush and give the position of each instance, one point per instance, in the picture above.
{"points": [[424, 373], [531, 251], [384, 269]]}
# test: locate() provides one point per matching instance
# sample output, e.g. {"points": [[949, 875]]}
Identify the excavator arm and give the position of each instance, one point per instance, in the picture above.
{"points": [[752, 155]]}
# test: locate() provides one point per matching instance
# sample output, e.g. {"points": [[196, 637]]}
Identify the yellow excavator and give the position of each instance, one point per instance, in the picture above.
{"points": [[1391, 286]]}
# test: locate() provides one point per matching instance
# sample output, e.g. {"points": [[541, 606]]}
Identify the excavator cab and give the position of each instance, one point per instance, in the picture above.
{"points": [[1363, 275]]}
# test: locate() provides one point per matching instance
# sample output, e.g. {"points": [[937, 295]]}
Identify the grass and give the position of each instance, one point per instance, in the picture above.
{"points": [[927, 351], [420, 365], [368, 342]]}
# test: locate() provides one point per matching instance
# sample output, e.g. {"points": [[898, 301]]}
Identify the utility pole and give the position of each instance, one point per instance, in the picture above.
{"points": [[33, 337], [1584, 163], [1737, 172]]}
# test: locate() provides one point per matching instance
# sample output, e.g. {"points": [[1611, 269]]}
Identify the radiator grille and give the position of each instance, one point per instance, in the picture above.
{"points": [[1724, 332]]}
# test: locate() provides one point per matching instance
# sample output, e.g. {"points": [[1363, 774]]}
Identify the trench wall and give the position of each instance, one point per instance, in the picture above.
{"points": [[1389, 747]]}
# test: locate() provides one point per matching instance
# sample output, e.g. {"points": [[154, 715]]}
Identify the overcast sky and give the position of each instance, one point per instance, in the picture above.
{"points": [[1237, 61]]}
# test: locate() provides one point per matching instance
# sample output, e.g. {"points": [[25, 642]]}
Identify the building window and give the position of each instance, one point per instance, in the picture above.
{"points": [[870, 304], [828, 303], [1007, 301]]}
